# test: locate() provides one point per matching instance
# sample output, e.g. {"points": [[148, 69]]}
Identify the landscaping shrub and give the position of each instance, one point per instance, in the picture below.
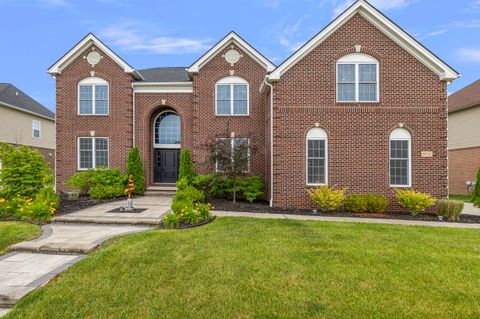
{"points": [[370, 203], [415, 202], [451, 209], [327, 198], [219, 186], [24, 171], [476, 191], [48, 197], [100, 183], [251, 188], [186, 167], [135, 168], [41, 209], [171, 220]]}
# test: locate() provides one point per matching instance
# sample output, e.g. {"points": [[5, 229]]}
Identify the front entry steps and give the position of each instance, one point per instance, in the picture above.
{"points": [[161, 190]]}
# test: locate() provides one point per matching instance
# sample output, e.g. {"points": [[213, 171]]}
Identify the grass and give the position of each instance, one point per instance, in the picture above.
{"points": [[15, 232], [462, 198], [252, 268]]}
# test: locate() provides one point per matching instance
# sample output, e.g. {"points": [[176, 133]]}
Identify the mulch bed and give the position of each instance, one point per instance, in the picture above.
{"points": [[70, 206], [186, 226], [263, 207]]}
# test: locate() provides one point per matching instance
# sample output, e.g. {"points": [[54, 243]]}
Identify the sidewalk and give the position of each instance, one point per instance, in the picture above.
{"points": [[348, 219]]}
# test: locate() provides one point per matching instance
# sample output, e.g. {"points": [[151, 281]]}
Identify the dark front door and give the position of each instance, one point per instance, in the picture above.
{"points": [[166, 165]]}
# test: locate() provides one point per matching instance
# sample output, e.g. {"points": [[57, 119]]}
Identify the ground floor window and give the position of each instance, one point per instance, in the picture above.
{"points": [[233, 151], [92, 152], [317, 157], [400, 158]]}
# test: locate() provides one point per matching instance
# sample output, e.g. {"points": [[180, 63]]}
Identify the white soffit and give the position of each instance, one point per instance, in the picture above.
{"points": [[162, 87]]}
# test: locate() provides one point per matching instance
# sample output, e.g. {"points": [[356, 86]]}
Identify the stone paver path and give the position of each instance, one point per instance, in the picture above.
{"points": [[156, 208], [66, 241], [469, 209], [347, 219]]}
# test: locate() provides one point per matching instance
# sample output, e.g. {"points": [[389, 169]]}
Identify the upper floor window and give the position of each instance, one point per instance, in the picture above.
{"points": [[317, 160], [400, 158], [36, 129], [357, 78], [93, 97], [231, 97]]}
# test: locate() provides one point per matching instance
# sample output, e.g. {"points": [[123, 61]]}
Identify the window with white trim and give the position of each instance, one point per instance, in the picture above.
{"points": [[239, 148], [92, 152], [317, 159], [357, 78], [400, 158], [36, 128], [167, 132], [232, 96], [93, 97]]}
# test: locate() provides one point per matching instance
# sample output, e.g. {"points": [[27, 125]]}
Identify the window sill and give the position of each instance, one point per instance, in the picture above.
{"points": [[310, 185], [400, 186], [232, 115], [358, 102], [93, 115]]}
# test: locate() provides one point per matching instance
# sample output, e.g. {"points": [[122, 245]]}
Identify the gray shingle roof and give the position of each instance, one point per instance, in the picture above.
{"points": [[11, 95], [171, 74]]}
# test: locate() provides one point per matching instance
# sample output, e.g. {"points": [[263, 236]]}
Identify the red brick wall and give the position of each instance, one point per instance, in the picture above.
{"points": [[205, 125], [358, 133], [117, 125], [463, 165]]}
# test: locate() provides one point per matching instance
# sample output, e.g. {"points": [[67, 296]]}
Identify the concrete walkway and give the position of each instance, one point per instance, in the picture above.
{"points": [[348, 219], [67, 240], [469, 209]]}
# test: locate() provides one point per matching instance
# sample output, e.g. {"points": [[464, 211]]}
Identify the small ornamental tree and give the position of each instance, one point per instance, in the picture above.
{"points": [[186, 167], [476, 191], [135, 169], [24, 171], [231, 158]]}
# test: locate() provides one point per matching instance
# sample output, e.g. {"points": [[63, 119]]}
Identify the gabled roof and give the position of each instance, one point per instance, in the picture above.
{"points": [[80, 47], [465, 98], [393, 31], [11, 96], [227, 40], [165, 74]]}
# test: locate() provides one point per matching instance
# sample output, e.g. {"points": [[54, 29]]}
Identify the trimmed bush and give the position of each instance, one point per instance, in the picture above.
{"points": [[186, 167], [216, 185], [370, 203], [451, 209], [327, 198], [251, 188], [135, 168], [100, 183], [415, 202], [24, 171], [81, 181], [476, 191]]}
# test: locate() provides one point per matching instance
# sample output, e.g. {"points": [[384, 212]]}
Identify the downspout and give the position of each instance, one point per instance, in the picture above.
{"points": [[271, 140], [133, 117]]}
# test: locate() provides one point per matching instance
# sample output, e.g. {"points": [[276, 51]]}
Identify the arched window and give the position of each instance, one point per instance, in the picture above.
{"points": [[357, 78], [167, 130], [317, 157], [400, 158], [231, 96], [93, 96]]}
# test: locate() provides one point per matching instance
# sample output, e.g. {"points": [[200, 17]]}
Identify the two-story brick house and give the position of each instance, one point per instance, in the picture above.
{"points": [[362, 105]]}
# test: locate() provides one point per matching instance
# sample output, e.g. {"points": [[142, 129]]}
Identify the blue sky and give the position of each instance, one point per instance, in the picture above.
{"points": [[35, 33]]}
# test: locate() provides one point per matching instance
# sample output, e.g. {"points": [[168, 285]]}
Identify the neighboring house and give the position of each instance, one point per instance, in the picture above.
{"points": [[463, 138], [24, 121], [361, 105]]}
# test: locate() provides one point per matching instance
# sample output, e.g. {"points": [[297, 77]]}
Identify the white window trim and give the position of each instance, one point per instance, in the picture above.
{"points": [[93, 151], [93, 81], [39, 129], [400, 138], [170, 146], [231, 149], [232, 80], [357, 59], [322, 137]]}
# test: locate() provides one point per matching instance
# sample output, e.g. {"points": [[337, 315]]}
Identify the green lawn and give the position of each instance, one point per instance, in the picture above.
{"points": [[253, 268], [15, 232], [463, 198]]}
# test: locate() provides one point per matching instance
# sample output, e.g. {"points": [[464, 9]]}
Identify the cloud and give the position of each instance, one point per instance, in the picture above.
{"points": [[444, 28], [286, 35], [131, 36], [379, 4], [469, 54], [55, 3], [476, 5]]}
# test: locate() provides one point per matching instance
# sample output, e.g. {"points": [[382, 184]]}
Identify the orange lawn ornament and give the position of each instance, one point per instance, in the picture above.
{"points": [[131, 187]]}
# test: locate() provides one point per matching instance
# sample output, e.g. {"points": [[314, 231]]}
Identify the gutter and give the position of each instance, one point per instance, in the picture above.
{"points": [[133, 116]]}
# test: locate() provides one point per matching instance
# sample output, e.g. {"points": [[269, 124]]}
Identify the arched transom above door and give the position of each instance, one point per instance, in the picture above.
{"points": [[167, 131]]}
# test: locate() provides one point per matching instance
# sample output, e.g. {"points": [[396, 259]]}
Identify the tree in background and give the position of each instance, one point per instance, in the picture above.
{"points": [[186, 167], [24, 171], [135, 169], [476, 191]]}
